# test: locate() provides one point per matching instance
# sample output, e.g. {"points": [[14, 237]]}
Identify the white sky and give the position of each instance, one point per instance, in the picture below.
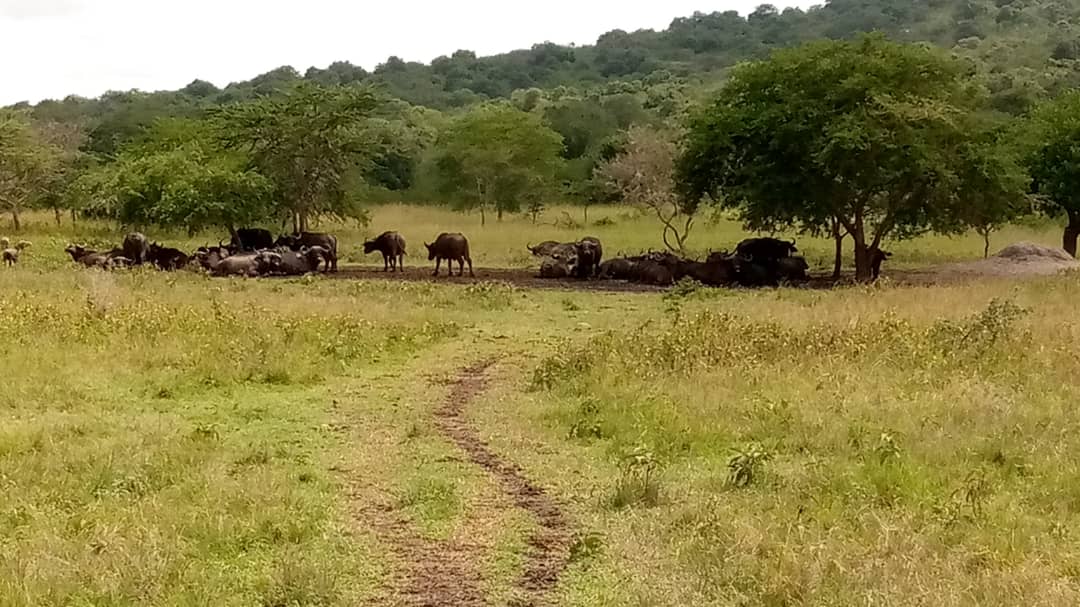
{"points": [[53, 48]]}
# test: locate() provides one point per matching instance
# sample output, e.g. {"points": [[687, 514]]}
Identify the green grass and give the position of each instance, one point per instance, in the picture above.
{"points": [[177, 440]]}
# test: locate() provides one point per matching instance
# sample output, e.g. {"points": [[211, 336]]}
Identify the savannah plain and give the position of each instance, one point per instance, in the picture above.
{"points": [[172, 439]]}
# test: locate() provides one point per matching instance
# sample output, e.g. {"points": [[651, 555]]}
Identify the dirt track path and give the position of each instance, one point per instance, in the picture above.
{"points": [[446, 573], [549, 546]]}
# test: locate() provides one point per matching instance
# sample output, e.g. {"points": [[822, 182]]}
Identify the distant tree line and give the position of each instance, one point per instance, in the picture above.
{"points": [[860, 138]]}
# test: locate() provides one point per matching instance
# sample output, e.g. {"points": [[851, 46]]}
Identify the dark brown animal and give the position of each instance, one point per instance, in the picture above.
{"points": [[544, 249], [766, 248], [877, 257], [392, 247], [136, 248], [251, 239], [451, 247], [793, 269], [589, 255], [619, 269], [312, 239], [166, 258]]}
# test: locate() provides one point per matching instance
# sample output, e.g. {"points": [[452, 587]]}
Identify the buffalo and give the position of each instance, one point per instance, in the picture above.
{"points": [[392, 247], [241, 264], [620, 269], [589, 255], [766, 248], [451, 247], [136, 248], [557, 267], [93, 259], [877, 257], [287, 262], [251, 239], [544, 249], [166, 258], [653, 273], [312, 239], [793, 269]]}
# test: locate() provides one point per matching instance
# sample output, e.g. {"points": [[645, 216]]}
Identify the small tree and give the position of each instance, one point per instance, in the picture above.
{"points": [[992, 186], [496, 156], [308, 142], [643, 173], [1053, 160], [28, 164]]}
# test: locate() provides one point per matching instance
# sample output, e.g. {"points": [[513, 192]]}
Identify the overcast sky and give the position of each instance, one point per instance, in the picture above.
{"points": [[53, 48]]}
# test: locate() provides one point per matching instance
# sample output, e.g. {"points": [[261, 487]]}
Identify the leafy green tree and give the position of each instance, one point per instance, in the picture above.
{"points": [[28, 164], [175, 176], [870, 134], [309, 142], [1053, 160], [993, 185], [496, 156]]}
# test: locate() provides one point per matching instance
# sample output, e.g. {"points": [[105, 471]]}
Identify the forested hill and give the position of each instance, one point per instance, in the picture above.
{"points": [[1027, 48]]}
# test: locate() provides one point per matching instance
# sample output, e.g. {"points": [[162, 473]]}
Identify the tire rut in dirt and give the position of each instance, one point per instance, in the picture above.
{"points": [[549, 545]]}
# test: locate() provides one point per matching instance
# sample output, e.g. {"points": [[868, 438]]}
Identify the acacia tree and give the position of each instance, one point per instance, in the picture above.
{"points": [[176, 177], [496, 156], [27, 164], [1053, 159], [643, 172], [868, 134], [309, 142]]}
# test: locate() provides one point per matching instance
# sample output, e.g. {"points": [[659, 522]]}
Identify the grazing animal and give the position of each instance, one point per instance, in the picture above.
{"points": [[793, 268], [5, 243], [589, 255], [766, 248], [136, 248], [251, 239], [544, 249], [451, 247], [11, 255], [392, 247], [166, 258], [877, 257], [312, 239]]}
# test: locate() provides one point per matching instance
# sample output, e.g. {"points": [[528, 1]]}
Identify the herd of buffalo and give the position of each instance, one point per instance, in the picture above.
{"points": [[756, 262]]}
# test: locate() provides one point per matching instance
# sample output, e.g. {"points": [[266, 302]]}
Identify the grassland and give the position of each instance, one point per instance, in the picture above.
{"points": [[177, 440]]}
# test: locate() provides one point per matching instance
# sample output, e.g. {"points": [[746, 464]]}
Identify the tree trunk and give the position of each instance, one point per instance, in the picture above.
{"points": [[73, 215], [586, 215], [303, 222], [17, 225], [1072, 232], [838, 259], [483, 216], [296, 222], [56, 214], [498, 213], [863, 271], [986, 243]]}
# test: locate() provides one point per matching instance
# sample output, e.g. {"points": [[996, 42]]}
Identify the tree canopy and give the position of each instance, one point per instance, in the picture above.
{"points": [[308, 141], [873, 134], [496, 156], [1053, 159]]}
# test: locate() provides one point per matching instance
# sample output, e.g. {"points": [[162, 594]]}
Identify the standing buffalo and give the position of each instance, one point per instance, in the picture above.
{"points": [[589, 255], [251, 239], [877, 257], [766, 248], [312, 239], [392, 247], [451, 247], [136, 248]]}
